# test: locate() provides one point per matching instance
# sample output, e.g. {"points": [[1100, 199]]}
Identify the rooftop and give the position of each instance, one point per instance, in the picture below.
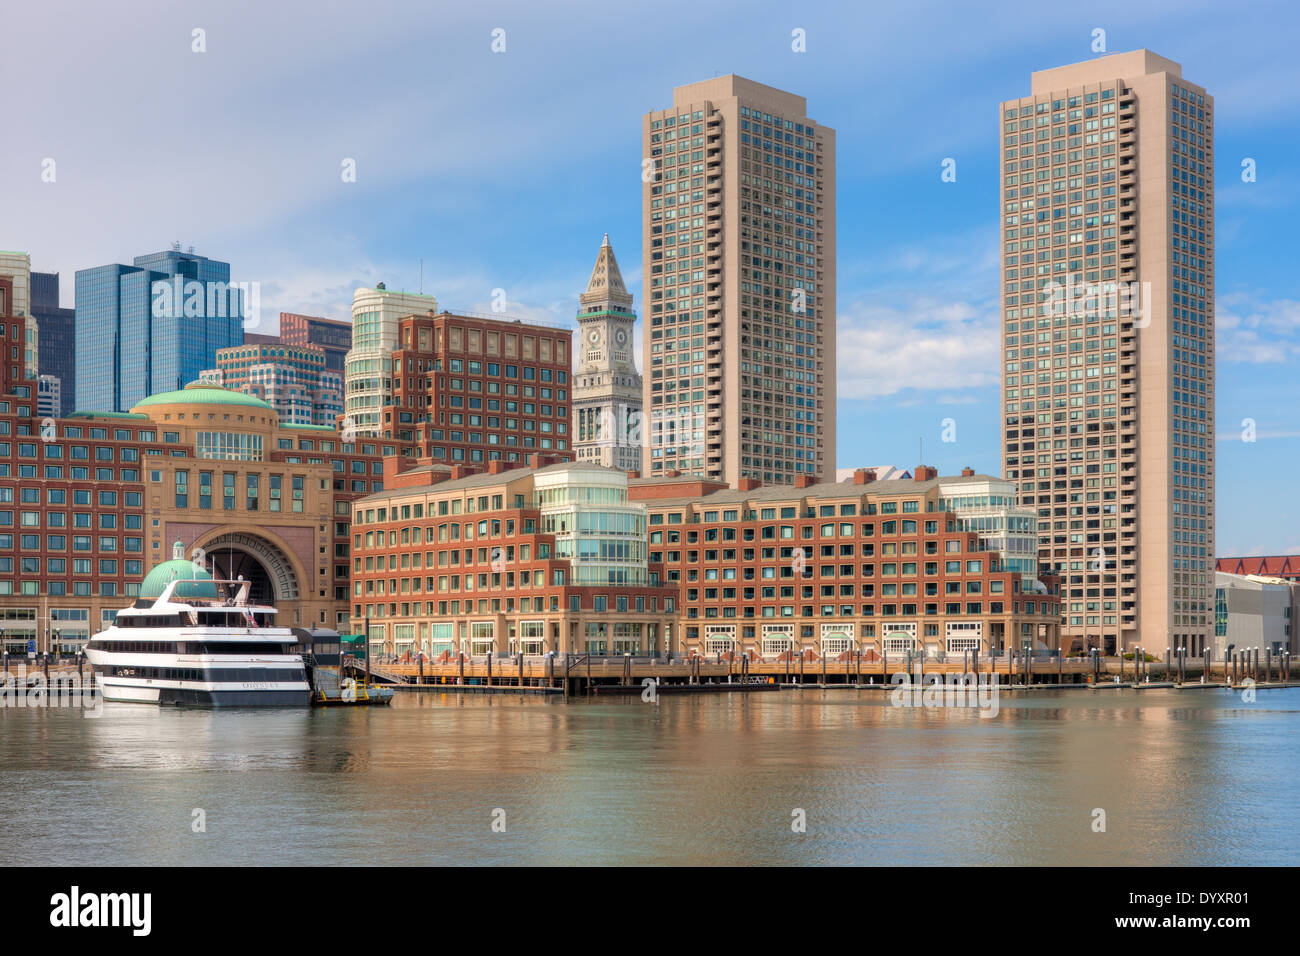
{"points": [[483, 479], [823, 489], [202, 393]]}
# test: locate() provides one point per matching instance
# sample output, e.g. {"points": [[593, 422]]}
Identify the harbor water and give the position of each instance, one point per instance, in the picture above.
{"points": [[838, 776]]}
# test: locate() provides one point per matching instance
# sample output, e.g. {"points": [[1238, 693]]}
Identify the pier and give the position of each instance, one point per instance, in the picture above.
{"points": [[582, 674]]}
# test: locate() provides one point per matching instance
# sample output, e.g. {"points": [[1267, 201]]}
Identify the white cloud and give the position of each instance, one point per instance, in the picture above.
{"points": [[928, 322], [1253, 329], [918, 342]]}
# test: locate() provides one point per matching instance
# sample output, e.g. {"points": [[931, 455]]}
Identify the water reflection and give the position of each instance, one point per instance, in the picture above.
{"points": [[1182, 778]]}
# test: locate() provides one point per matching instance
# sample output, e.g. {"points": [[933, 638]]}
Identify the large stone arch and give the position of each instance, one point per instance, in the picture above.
{"points": [[289, 584]]}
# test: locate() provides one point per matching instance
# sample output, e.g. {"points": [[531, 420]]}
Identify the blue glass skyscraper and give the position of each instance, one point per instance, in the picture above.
{"points": [[152, 326], [57, 346]]}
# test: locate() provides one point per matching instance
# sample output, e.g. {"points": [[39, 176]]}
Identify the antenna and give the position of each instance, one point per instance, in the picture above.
{"points": [[421, 277]]}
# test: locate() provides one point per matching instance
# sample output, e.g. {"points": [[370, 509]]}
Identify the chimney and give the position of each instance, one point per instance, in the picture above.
{"points": [[395, 465], [403, 472], [749, 484], [459, 471], [671, 473], [496, 466], [633, 475], [804, 481], [968, 472], [863, 476], [925, 473]]}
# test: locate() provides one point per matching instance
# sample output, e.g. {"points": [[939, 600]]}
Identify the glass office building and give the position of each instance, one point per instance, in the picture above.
{"points": [[56, 348], [152, 326]]}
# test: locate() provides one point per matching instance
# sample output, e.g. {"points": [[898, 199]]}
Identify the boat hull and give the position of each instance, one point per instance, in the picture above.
{"points": [[236, 698], [200, 697]]}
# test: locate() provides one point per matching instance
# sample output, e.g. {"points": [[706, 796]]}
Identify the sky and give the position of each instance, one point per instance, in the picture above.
{"points": [[503, 170]]}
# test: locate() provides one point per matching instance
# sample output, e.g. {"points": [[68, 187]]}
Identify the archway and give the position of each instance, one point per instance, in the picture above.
{"points": [[263, 563]]}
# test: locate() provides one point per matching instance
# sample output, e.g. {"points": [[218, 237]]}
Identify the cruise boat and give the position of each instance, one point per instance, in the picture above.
{"points": [[193, 639]]}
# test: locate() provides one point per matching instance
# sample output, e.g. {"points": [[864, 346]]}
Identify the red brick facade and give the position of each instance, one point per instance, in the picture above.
{"points": [[472, 390], [882, 565]]}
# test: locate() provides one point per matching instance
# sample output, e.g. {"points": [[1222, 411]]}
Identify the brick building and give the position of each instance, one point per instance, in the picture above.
{"points": [[474, 390], [89, 503], [582, 558], [548, 557], [331, 336], [926, 563], [292, 379]]}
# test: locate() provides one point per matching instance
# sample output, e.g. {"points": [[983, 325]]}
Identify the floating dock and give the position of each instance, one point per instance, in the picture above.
{"points": [[331, 690]]}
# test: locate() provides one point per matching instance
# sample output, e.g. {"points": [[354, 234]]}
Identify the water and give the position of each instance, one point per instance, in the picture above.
{"points": [[1184, 777]]}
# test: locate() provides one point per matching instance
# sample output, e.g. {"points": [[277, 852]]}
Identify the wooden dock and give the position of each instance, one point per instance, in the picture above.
{"points": [[580, 674], [583, 674]]}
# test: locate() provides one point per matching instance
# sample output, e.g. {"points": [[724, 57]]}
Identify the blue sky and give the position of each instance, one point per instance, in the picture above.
{"points": [[503, 170]]}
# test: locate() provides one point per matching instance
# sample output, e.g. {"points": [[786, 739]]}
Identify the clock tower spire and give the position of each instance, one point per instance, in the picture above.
{"points": [[606, 385]]}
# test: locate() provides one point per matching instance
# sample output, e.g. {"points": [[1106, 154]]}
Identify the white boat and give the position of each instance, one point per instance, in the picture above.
{"points": [[192, 639]]}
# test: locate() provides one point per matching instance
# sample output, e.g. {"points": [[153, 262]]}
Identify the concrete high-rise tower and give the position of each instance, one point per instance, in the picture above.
{"points": [[738, 253], [1107, 222], [606, 385]]}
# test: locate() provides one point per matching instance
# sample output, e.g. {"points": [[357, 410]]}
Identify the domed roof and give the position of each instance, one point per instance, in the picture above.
{"points": [[202, 393], [196, 582]]}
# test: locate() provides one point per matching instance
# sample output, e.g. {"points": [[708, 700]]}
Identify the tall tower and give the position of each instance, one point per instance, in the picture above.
{"points": [[153, 326], [738, 254], [1107, 222], [368, 366], [606, 384]]}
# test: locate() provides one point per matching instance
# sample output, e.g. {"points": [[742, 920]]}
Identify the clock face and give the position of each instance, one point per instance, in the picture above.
{"points": [[594, 336], [621, 336]]}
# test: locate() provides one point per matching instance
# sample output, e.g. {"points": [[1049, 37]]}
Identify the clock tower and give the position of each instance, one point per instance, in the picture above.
{"points": [[606, 384]]}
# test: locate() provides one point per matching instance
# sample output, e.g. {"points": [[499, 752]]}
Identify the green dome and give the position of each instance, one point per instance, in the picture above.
{"points": [[196, 582], [200, 393]]}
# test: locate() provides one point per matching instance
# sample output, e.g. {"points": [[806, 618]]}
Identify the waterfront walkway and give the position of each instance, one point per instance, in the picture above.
{"points": [[581, 673]]}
